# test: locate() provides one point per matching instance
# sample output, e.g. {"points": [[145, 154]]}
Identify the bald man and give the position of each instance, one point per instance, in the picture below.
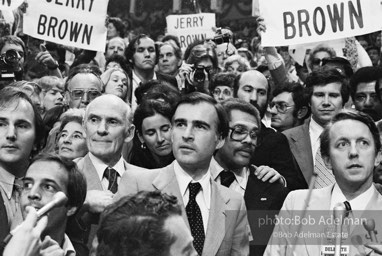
{"points": [[107, 126]]}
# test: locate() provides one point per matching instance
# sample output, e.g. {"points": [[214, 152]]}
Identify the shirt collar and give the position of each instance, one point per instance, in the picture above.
{"points": [[101, 166], [315, 130], [184, 179], [138, 80], [6, 182], [359, 203], [241, 175], [68, 247]]}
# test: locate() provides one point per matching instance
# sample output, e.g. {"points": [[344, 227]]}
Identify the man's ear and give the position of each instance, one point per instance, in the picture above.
{"points": [[301, 113], [129, 133], [220, 143], [327, 162], [71, 211], [378, 159]]}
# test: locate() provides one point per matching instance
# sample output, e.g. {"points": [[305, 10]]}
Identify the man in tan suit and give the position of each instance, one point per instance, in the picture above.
{"points": [[216, 215]]}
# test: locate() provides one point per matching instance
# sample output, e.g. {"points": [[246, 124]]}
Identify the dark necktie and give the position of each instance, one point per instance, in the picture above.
{"points": [[111, 175], [194, 216], [226, 178], [348, 208]]}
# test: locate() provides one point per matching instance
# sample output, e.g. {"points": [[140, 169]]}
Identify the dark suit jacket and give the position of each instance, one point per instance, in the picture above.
{"points": [[274, 152], [227, 229], [299, 143], [262, 199], [4, 227]]}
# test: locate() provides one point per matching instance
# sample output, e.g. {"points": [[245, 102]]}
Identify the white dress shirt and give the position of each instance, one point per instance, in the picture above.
{"points": [[315, 131], [241, 177], [101, 167], [203, 198], [136, 81]]}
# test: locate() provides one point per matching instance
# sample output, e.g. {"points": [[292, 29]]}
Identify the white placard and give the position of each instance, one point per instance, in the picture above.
{"points": [[191, 27], [77, 23], [291, 22]]}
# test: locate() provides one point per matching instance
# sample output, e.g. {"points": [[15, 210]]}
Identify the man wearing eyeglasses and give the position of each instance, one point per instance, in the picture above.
{"points": [[83, 85], [289, 107], [262, 187], [252, 87], [364, 92]]}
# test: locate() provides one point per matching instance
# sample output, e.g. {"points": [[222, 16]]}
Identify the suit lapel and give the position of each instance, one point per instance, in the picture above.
{"points": [[216, 221], [91, 175], [167, 183], [303, 151]]}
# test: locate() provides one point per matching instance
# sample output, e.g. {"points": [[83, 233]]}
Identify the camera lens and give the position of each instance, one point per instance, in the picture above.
{"points": [[11, 57], [199, 75]]}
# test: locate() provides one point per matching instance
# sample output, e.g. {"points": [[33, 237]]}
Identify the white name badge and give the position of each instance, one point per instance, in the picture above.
{"points": [[328, 250]]}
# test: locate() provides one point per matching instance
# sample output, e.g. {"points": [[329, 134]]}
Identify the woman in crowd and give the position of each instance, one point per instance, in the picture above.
{"points": [[116, 81], [52, 92], [153, 148], [236, 64], [71, 142]]}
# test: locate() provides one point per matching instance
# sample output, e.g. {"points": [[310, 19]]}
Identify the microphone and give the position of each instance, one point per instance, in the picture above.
{"points": [[59, 199], [339, 212], [369, 225]]}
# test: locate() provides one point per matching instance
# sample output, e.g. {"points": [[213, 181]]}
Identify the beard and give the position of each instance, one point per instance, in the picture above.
{"points": [[262, 109]]}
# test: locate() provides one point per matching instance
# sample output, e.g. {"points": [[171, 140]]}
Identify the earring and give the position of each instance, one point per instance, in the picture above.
{"points": [[143, 145]]}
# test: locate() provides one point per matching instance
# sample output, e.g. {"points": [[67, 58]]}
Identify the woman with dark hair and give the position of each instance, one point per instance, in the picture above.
{"points": [[152, 147], [71, 141]]}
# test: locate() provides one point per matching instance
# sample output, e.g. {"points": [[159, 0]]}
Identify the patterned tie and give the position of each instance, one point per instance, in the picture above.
{"points": [[111, 175], [325, 176], [194, 216], [226, 178]]}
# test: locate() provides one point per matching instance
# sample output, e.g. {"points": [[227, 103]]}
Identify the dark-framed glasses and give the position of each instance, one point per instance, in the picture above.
{"points": [[240, 133], [281, 107], [80, 93]]}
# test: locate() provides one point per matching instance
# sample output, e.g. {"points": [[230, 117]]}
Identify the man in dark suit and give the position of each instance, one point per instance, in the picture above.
{"points": [[21, 131], [262, 187], [216, 215], [327, 92], [142, 54], [273, 149], [107, 126]]}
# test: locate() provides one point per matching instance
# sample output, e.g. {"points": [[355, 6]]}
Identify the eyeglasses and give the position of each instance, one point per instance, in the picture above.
{"points": [[281, 107], [239, 133], [79, 93]]}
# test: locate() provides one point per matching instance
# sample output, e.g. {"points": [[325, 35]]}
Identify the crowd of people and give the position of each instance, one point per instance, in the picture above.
{"points": [[161, 151]]}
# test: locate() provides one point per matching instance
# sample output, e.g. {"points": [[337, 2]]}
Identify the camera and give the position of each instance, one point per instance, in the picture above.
{"points": [[9, 61], [199, 75]]}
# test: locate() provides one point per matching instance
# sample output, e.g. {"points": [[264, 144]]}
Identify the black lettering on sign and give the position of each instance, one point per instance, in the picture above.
{"points": [[334, 14], [6, 2], [289, 23], [77, 4], [64, 29]]}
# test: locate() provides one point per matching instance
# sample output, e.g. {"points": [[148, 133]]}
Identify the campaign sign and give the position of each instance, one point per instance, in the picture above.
{"points": [[191, 27], [77, 23], [291, 22]]}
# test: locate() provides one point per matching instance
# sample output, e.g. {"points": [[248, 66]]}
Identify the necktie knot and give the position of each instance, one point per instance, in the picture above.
{"points": [[347, 207], [226, 178], [194, 189], [111, 175]]}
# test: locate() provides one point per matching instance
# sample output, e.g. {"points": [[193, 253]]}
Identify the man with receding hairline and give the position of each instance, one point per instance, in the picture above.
{"points": [[107, 126]]}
